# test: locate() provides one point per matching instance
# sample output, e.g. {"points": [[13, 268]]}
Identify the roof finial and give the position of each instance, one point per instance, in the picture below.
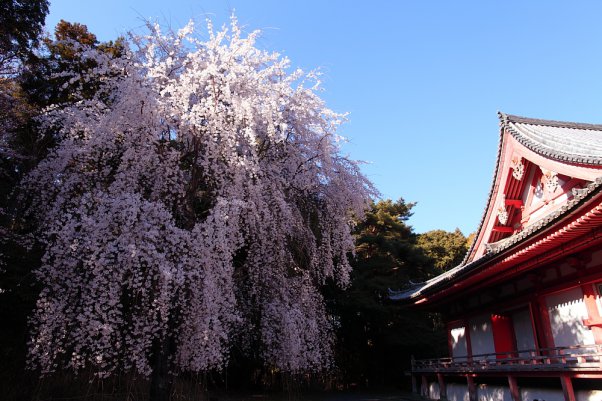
{"points": [[503, 117]]}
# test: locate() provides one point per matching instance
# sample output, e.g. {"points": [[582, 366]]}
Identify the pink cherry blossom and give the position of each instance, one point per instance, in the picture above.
{"points": [[200, 196]]}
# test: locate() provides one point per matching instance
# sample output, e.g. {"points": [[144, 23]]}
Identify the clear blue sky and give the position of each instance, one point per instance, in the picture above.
{"points": [[422, 80]]}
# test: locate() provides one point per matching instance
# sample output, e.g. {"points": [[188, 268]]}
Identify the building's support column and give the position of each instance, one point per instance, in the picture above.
{"points": [[544, 325], [536, 325], [442, 387], [468, 340], [567, 388], [503, 336], [514, 390], [450, 341], [472, 388], [594, 320], [424, 388], [413, 376]]}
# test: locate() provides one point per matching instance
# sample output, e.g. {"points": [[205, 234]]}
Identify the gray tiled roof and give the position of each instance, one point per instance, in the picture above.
{"points": [[559, 140]]}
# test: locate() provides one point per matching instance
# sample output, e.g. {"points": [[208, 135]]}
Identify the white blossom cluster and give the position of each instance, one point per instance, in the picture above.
{"points": [[199, 196]]}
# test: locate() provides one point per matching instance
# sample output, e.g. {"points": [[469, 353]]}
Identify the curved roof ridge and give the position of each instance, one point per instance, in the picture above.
{"points": [[579, 143], [491, 191], [510, 118]]}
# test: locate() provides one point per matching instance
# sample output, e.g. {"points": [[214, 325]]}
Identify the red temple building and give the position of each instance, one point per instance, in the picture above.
{"points": [[523, 311]]}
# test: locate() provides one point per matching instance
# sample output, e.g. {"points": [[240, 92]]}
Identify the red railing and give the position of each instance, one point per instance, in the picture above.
{"points": [[578, 357]]}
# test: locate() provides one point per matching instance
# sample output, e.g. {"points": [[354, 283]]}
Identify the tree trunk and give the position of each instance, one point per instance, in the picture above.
{"points": [[161, 378]]}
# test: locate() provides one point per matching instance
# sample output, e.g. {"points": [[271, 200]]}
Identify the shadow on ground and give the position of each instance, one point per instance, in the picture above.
{"points": [[330, 396]]}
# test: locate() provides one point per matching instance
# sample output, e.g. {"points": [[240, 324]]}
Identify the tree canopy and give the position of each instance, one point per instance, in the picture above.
{"points": [[377, 336], [446, 249], [195, 200], [21, 24]]}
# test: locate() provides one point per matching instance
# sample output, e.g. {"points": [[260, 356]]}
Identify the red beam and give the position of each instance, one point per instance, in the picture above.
{"points": [[514, 202]]}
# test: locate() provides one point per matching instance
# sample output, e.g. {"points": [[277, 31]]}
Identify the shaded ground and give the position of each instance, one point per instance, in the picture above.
{"points": [[322, 396]]}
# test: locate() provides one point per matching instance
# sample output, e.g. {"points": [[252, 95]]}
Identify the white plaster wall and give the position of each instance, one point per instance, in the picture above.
{"points": [[541, 394], [536, 202], [598, 299], [538, 199], [493, 393], [481, 335], [523, 331], [457, 392], [458, 341], [588, 395], [567, 311]]}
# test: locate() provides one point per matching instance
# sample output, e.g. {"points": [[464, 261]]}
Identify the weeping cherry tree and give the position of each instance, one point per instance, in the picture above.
{"points": [[196, 199]]}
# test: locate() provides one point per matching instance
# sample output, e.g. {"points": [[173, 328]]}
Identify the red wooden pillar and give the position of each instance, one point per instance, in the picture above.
{"points": [[567, 388], [594, 321], [450, 341], [442, 387], [541, 318], [535, 324], [472, 388], [503, 335], [424, 388], [414, 381], [514, 390], [468, 341]]}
